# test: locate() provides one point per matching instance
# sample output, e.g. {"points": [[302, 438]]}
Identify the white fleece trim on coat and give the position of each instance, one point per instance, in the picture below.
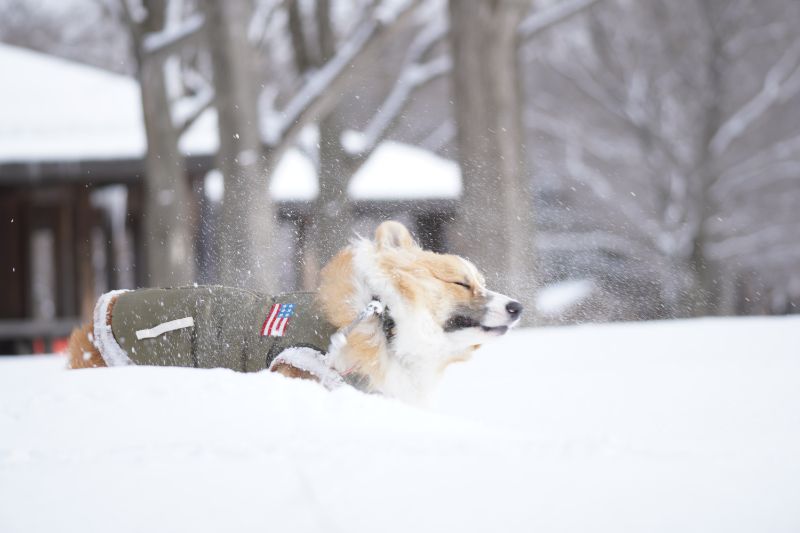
{"points": [[311, 361], [110, 350]]}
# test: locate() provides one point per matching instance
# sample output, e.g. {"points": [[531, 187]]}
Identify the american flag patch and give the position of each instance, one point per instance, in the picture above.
{"points": [[277, 320]]}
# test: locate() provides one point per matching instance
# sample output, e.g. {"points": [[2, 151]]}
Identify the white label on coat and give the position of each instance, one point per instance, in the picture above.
{"points": [[160, 329]]}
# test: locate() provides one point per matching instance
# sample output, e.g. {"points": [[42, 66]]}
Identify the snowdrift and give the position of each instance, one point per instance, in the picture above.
{"points": [[674, 426]]}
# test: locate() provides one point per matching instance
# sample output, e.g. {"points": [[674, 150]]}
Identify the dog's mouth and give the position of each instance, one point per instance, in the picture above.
{"points": [[496, 330], [459, 322]]}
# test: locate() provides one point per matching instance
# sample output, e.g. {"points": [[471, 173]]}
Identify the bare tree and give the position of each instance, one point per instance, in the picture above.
{"points": [[494, 225], [168, 234], [342, 151], [683, 120], [88, 31], [328, 63], [245, 234]]}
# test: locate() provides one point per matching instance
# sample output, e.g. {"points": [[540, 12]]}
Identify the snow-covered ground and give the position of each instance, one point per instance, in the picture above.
{"points": [[675, 426]]}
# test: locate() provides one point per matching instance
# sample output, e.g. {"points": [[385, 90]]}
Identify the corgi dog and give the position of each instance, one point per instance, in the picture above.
{"points": [[428, 310], [439, 311]]}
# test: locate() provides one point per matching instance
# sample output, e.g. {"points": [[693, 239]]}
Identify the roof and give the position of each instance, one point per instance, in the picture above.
{"points": [[58, 110], [59, 115]]}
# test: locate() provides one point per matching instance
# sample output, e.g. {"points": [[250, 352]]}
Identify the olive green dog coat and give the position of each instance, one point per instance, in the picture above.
{"points": [[207, 327]]}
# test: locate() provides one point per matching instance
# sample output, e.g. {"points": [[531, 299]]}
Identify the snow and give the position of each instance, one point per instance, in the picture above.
{"points": [[394, 171], [64, 111], [557, 298], [672, 426], [295, 178], [397, 171]]}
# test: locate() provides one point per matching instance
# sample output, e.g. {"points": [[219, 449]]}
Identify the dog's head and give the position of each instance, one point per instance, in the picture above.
{"points": [[439, 302]]}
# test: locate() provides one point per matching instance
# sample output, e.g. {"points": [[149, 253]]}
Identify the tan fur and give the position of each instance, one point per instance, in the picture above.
{"points": [[363, 352], [292, 372], [336, 292], [392, 234], [82, 353]]}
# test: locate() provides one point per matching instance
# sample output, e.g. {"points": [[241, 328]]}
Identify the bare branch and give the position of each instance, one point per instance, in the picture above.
{"points": [[788, 148], [263, 15], [413, 75], [192, 110], [413, 78], [779, 161], [134, 16], [750, 37], [558, 127], [326, 86], [604, 190], [592, 240], [766, 238], [170, 40], [781, 82], [542, 20]]}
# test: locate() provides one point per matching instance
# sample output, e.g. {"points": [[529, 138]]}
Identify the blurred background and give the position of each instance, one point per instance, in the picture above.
{"points": [[600, 160]]}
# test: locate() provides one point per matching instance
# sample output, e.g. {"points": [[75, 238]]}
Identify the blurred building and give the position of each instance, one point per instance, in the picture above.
{"points": [[72, 149]]}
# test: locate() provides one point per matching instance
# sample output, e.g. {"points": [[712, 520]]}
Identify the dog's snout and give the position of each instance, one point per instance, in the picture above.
{"points": [[514, 308]]}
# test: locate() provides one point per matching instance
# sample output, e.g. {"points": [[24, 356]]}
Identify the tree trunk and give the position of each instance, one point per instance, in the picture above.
{"points": [[707, 296], [332, 217], [494, 225], [168, 240], [332, 214], [246, 229]]}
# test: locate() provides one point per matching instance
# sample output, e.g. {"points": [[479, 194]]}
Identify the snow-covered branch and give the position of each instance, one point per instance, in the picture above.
{"points": [[558, 127], [751, 37], [604, 190], [188, 110], [261, 22], [774, 174], [781, 82], [134, 12], [171, 39], [769, 237], [542, 20], [415, 76], [758, 163], [326, 86]]}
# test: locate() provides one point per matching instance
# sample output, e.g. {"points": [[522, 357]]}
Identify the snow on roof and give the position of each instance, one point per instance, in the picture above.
{"points": [[58, 110], [294, 179], [397, 171], [394, 171]]}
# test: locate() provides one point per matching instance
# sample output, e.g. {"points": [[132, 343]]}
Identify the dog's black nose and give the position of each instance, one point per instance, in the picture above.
{"points": [[514, 308]]}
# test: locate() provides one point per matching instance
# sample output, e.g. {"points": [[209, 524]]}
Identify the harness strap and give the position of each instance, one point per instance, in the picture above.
{"points": [[321, 365], [339, 339]]}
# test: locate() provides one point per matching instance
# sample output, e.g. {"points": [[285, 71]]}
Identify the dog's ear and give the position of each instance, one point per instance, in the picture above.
{"points": [[392, 234]]}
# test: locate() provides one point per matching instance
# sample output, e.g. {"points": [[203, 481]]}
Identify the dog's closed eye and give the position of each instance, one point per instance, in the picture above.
{"points": [[463, 284]]}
